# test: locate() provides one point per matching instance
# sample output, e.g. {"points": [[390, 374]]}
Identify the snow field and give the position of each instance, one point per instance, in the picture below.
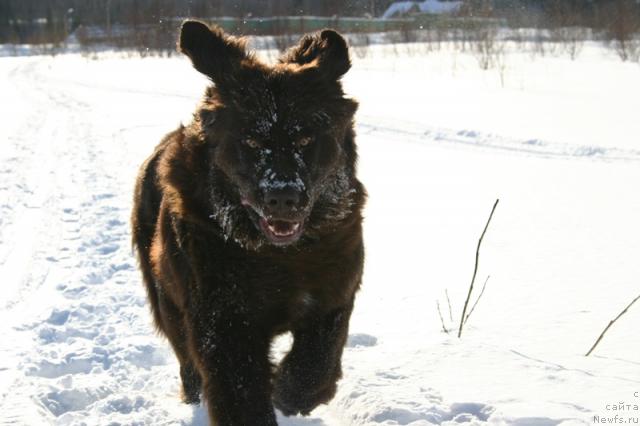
{"points": [[439, 141]]}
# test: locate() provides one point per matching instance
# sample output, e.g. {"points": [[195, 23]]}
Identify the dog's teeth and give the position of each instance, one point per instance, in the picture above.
{"points": [[286, 233]]}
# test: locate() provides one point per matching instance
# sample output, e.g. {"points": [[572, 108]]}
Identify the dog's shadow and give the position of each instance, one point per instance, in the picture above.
{"points": [[201, 418]]}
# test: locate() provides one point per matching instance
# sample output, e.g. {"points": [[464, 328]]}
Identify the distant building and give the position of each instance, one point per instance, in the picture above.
{"points": [[433, 7]]}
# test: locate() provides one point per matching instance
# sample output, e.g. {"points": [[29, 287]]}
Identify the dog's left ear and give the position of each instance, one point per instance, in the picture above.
{"points": [[212, 52], [325, 50]]}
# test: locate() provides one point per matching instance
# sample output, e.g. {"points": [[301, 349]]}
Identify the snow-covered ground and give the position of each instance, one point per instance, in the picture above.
{"points": [[440, 140]]}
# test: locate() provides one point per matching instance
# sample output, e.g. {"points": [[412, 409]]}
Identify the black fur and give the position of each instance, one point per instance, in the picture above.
{"points": [[247, 224]]}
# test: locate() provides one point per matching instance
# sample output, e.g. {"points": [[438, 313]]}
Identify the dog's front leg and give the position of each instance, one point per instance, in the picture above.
{"points": [[233, 358], [308, 374]]}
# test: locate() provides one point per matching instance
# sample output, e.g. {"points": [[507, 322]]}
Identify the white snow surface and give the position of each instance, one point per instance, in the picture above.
{"points": [[439, 141]]}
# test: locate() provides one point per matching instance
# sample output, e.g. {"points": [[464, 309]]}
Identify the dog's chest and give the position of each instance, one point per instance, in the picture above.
{"points": [[304, 304], [294, 294]]}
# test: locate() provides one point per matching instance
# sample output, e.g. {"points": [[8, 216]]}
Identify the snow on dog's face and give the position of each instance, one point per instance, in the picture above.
{"points": [[281, 137]]}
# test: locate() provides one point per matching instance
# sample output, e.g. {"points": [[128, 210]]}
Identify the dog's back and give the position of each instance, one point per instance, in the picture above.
{"points": [[146, 207]]}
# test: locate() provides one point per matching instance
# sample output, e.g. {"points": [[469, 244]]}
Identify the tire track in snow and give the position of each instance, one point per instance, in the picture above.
{"points": [[34, 235], [421, 133], [46, 138], [21, 173], [412, 132], [30, 231]]}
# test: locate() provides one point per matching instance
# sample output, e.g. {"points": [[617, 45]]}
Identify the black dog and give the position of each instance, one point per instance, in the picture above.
{"points": [[247, 224]]}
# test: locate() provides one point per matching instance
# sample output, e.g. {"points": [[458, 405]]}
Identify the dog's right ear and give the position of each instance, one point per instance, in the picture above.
{"points": [[212, 52], [325, 50]]}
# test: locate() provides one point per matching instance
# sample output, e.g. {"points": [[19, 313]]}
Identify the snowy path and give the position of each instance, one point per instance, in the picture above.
{"points": [[66, 247], [78, 346]]}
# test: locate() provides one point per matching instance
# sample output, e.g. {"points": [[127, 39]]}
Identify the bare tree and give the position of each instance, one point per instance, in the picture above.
{"points": [[623, 28], [360, 43], [489, 50]]}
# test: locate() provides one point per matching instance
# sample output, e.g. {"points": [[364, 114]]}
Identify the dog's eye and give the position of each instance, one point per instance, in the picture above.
{"points": [[251, 143], [305, 141]]}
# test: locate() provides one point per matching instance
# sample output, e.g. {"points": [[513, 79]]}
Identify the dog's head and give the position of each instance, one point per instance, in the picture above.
{"points": [[281, 136]]}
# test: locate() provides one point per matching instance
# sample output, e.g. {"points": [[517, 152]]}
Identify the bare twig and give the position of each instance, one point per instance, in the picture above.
{"points": [[449, 303], [475, 269], [610, 324], [442, 319], [477, 300]]}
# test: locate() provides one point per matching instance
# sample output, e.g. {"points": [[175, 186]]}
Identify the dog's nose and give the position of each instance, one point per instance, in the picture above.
{"points": [[282, 200]]}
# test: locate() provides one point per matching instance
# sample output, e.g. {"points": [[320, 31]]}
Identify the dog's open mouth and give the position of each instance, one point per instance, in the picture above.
{"points": [[281, 232], [277, 230]]}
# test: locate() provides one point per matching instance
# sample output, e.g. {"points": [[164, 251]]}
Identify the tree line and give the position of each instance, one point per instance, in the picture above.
{"points": [[35, 21], [51, 21]]}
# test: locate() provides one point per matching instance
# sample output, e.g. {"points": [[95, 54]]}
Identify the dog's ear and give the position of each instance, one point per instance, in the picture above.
{"points": [[326, 50], [212, 52]]}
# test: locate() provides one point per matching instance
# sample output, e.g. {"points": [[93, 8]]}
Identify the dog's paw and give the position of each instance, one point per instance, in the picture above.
{"points": [[291, 404], [190, 398], [191, 385], [293, 396]]}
